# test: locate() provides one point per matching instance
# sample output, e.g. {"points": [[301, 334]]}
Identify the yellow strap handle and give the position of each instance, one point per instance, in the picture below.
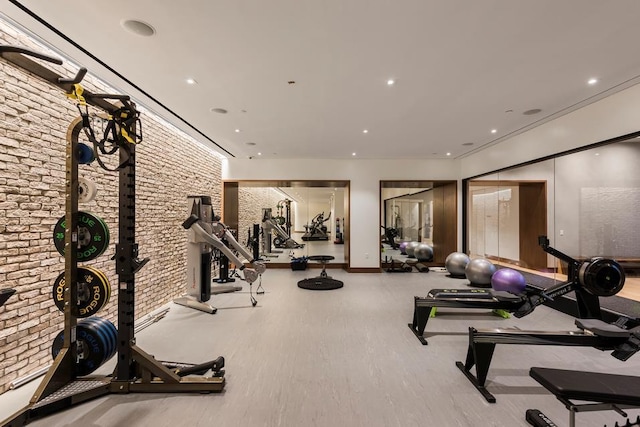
{"points": [[126, 136], [76, 94], [123, 132]]}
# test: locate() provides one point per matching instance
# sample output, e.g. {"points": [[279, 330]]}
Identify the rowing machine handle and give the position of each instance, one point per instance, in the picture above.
{"points": [[190, 221]]}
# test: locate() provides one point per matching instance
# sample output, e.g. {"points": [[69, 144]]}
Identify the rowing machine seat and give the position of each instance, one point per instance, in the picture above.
{"points": [[604, 329]]}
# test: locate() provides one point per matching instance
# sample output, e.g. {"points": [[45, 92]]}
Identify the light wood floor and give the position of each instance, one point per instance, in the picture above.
{"points": [[342, 358], [630, 290]]}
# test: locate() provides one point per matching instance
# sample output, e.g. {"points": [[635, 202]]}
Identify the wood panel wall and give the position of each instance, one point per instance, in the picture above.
{"points": [[533, 223]]}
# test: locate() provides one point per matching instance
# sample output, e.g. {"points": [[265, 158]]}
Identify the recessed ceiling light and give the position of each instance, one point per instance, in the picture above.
{"points": [[448, 154], [237, 130], [467, 144], [365, 131], [509, 111], [592, 81], [259, 154], [532, 112], [597, 154], [219, 110], [353, 154], [494, 130], [138, 27], [191, 81], [251, 143], [391, 82]]}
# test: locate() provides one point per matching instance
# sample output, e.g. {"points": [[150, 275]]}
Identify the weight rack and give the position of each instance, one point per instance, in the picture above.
{"points": [[136, 370]]}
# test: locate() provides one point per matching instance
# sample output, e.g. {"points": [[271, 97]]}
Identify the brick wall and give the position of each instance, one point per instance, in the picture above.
{"points": [[34, 118]]}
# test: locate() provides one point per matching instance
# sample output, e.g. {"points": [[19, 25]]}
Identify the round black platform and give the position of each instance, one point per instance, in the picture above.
{"points": [[320, 283], [321, 258]]}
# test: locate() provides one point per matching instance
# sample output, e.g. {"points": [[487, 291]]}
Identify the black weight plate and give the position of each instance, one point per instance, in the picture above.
{"points": [[96, 295], [93, 236]]}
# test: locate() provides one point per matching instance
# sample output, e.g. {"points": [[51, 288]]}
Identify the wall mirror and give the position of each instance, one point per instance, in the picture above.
{"points": [[417, 211], [290, 219], [586, 202]]}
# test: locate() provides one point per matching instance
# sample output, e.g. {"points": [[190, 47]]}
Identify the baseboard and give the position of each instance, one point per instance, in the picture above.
{"points": [[330, 266], [364, 270]]}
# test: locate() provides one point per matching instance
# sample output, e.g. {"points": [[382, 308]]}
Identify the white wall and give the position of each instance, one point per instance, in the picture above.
{"points": [[605, 119], [598, 201], [494, 222], [365, 177], [608, 118]]}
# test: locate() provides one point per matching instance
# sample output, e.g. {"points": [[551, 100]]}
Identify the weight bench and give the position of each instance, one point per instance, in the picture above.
{"points": [[323, 282], [591, 333], [499, 302], [601, 391]]}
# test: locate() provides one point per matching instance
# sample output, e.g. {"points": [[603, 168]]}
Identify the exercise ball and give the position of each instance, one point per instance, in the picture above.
{"points": [[509, 280], [410, 249], [479, 272], [403, 247], [423, 252], [455, 263]]}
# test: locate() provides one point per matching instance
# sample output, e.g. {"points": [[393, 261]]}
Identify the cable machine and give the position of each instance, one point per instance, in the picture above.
{"points": [[136, 370]]}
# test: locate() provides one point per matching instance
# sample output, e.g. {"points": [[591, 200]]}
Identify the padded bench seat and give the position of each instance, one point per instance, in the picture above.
{"points": [[589, 386], [602, 391]]}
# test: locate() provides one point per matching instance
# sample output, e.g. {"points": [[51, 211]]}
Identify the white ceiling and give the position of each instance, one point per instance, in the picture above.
{"points": [[462, 67]]}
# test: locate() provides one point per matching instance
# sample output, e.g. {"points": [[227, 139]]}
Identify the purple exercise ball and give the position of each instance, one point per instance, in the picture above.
{"points": [[509, 280], [403, 247]]}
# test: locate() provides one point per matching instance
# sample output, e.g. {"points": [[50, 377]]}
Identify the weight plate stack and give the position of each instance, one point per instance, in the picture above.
{"points": [[96, 340], [93, 236], [108, 331], [94, 291]]}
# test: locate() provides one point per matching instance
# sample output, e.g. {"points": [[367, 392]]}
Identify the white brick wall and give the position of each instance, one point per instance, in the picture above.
{"points": [[34, 118], [251, 201]]}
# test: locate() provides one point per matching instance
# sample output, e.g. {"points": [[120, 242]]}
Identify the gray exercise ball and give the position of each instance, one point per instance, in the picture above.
{"points": [[456, 262], [479, 271], [410, 249], [423, 252]]}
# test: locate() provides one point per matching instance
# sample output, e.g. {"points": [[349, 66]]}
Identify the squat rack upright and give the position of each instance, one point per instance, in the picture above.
{"points": [[136, 370]]}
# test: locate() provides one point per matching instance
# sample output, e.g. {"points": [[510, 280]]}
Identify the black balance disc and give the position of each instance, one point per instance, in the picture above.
{"points": [[322, 282]]}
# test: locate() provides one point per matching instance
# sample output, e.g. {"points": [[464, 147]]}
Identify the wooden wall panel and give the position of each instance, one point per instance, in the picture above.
{"points": [[533, 223]]}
